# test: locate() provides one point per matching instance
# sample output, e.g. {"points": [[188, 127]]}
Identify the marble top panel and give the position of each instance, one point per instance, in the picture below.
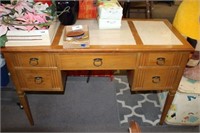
{"points": [[156, 33], [122, 36]]}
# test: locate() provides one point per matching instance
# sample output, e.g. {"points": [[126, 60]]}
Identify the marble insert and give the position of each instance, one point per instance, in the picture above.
{"points": [[156, 33], [122, 36]]}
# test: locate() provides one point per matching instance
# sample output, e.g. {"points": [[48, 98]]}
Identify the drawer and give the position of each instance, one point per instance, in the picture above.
{"points": [[97, 61], [158, 59], [39, 80], [34, 60], [154, 79]]}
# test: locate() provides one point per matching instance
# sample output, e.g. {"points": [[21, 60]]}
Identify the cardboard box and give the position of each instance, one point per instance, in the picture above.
{"points": [[33, 37], [109, 23], [109, 9], [76, 36]]}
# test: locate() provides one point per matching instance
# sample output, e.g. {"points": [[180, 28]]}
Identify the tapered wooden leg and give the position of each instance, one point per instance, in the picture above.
{"points": [[167, 105], [24, 102]]}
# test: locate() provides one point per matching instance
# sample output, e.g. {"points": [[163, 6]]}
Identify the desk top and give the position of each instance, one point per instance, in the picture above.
{"points": [[134, 35]]}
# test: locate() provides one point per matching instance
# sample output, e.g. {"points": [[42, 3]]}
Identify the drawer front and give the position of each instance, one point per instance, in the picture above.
{"points": [[34, 60], [40, 80], [158, 59], [97, 61], [154, 79]]}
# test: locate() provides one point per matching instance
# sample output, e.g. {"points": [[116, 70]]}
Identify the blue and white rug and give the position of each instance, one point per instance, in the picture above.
{"points": [[144, 108]]}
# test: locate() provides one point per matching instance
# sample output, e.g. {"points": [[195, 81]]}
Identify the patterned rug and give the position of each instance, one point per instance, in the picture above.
{"points": [[144, 108]]}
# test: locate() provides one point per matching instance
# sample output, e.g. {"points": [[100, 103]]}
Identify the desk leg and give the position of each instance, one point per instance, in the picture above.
{"points": [[168, 103], [24, 102]]}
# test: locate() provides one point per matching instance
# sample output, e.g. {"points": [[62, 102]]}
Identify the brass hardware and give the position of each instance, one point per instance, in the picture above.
{"points": [[156, 79], [97, 62], [34, 61], [38, 80], [160, 61]]}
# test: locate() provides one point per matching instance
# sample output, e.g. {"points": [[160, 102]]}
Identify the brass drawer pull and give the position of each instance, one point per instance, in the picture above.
{"points": [[97, 62], [33, 61], [38, 80], [160, 61], [156, 79]]}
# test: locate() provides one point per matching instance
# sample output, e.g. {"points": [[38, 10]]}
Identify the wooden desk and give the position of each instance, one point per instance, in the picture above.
{"points": [[152, 51]]}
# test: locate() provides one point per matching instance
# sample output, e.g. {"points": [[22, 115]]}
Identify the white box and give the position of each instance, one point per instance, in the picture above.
{"points": [[110, 10], [73, 40], [109, 23], [33, 37]]}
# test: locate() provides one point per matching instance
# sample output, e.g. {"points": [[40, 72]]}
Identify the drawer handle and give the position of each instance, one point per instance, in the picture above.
{"points": [[160, 61], [156, 79], [33, 61], [97, 62], [38, 80]]}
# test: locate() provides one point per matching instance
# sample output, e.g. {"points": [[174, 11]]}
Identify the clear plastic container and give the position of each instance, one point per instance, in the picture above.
{"points": [[4, 72]]}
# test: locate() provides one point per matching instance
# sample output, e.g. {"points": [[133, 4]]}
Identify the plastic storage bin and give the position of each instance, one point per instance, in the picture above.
{"points": [[4, 72], [185, 109]]}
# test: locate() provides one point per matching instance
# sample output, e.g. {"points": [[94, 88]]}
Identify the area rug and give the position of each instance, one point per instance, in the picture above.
{"points": [[144, 108], [101, 105], [84, 107]]}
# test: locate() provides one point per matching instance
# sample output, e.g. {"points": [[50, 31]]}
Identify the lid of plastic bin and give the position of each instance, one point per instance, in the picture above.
{"points": [[2, 61], [189, 86]]}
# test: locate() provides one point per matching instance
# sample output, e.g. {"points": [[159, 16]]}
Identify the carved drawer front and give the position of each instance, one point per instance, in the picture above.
{"points": [[159, 59], [39, 80], [154, 79], [97, 61], [34, 60]]}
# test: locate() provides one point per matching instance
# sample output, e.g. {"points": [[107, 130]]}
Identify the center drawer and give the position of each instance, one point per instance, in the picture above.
{"points": [[97, 61]]}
